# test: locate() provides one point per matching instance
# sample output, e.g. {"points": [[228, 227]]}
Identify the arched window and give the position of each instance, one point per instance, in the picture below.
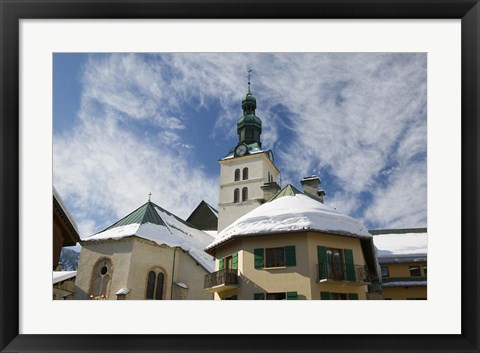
{"points": [[155, 285], [102, 276], [237, 174], [236, 195], [269, 177], [245, 174], [244, 194]]}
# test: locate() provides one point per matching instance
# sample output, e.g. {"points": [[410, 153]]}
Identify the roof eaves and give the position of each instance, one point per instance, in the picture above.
{"points": [[234, 236], [397, 231]]}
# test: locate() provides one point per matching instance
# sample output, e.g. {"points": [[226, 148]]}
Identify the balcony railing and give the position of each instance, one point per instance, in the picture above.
{"points": [[404, 281], [221, 280], [328, 272]]}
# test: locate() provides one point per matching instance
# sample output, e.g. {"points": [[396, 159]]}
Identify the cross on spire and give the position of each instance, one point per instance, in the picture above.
{"points": [[249, 77], [149, 196]]}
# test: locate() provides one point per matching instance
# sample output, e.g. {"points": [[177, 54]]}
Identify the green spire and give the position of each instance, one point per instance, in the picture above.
{"points": [[249, 126]]}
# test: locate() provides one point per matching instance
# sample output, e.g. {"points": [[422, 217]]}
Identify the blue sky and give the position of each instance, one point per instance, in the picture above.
{"points": [[125, 125]]}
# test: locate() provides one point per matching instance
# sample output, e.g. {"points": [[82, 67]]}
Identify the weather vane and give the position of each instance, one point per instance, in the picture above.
{"points": [[249, 77]]}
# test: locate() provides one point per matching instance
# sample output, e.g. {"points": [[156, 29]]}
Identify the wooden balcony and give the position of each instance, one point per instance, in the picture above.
{"points": [[342, 274], [221, 280]]}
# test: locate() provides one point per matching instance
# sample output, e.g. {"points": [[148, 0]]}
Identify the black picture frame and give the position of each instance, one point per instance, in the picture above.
{"points": [[12, 11]]}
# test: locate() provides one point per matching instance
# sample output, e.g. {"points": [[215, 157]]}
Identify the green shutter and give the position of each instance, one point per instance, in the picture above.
{"points": [[258, 256], [352, 296], [325, 295], [235, 261], [322, 262], [291, 295], [220, 263], [258, 296], [290, 258], [349, 264]]}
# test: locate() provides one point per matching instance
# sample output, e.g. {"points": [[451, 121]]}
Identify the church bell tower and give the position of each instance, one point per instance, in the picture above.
{"points": [[247, 173]]}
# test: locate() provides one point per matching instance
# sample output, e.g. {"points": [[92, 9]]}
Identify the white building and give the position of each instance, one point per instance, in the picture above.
{"points": [[248, 172], [148, 254]]}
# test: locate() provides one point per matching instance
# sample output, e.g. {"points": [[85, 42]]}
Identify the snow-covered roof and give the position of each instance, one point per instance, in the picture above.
{"points": [[59, 276], [291, 213], [401, 247], [161, 227], [123, 291], [212, 233], [57, 197], [312, 177]]}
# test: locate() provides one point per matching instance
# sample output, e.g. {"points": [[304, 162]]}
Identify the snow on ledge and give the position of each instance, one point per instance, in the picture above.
{"points": [[59, 276], [407, 245]]}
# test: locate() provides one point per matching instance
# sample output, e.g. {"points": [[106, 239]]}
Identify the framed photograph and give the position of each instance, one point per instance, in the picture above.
{"points": [[433, 46]]}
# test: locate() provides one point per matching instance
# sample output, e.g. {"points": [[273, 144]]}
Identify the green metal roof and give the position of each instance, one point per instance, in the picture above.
{"points": [[144, 214], [249, 119], [288, 190]]}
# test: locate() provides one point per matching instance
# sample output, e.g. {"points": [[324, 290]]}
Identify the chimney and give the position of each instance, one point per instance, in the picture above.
{"points": [[311, 187], [270, 190]]}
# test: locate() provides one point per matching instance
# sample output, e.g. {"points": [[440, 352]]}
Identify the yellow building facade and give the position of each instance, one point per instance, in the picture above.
{"points": [[402, 255], [275, 261]]}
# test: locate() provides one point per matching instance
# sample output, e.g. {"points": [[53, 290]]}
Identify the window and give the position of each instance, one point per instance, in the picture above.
{"points": [[276, 296], [236, 195], [245, 174], [415, 271], [154, 285], [237, 174], [244, 194], [338, 296], [275, 257], [335, 264], [228, 262], [425, 270], [101, 279], [385, 272]]}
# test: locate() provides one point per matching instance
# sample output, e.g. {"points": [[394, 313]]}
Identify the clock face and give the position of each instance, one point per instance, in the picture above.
{"points": [[241, 150]]}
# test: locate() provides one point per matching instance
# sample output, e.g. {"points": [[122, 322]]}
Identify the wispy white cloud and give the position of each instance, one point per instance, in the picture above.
{"points": [[360, 117]]}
